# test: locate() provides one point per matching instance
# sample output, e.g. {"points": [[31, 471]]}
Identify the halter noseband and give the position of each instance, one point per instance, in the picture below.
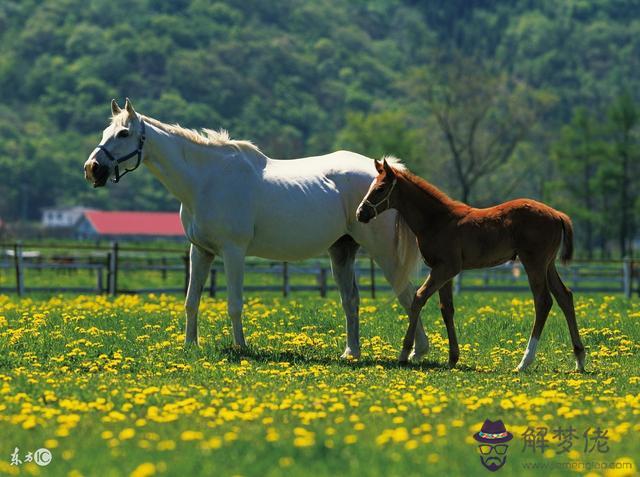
{"points": [[128, 156], [386, 198]]}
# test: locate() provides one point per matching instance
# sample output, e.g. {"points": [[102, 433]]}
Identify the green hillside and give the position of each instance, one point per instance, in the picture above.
{"points": [[301, 78]]}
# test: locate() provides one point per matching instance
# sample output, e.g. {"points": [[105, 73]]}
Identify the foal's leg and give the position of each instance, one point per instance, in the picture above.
{"points": [[233, 257], [564, 297], [199, 265], [380, 240], [446, 309], [421, 344], [343, 255], [542, 300], [432, 284]]}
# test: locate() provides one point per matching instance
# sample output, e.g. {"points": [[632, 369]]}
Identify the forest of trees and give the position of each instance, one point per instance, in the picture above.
{"points": [[488, 100]]}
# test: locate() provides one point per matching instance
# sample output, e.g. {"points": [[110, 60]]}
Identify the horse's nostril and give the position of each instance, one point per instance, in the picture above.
{"points": [[94, 167]]}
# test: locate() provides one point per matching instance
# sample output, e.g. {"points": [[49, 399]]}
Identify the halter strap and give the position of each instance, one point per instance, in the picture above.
{"points": [[386, 198], [119, 160]]}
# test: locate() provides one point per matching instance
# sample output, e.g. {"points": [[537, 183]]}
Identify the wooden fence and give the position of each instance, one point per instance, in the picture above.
{"points": [[113, 266]]}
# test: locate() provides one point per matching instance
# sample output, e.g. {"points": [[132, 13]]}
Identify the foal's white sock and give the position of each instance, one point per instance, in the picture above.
{"points": [[529, 354]]}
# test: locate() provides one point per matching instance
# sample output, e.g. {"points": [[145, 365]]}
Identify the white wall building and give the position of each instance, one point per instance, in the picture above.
{"points": [[61, 216]]}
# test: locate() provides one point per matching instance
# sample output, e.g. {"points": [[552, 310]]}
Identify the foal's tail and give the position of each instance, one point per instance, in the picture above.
{"points": [[408, 255], [567, 238]]}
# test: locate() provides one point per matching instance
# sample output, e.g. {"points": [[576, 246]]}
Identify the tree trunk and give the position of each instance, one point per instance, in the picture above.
{"points": [[624, 203], [589, 206]]}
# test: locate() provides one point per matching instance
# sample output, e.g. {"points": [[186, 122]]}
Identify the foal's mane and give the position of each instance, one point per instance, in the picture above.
{"points": [[208, 137], [425, 186]]}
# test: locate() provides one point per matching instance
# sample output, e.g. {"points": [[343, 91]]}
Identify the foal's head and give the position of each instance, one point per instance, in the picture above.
{"points": [[378, 198], [120, 148]]}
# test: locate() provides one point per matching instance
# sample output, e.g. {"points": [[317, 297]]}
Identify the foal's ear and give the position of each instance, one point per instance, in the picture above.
{"points": [[387, 168], [379, 166], [129, 107], [115, 109]]}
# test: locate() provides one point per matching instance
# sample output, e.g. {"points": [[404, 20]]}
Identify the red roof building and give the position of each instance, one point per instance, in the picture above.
{"points": [[99, 223]]}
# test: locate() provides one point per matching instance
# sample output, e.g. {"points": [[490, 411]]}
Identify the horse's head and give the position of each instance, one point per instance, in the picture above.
{"points": [[120, 147], [378, 198]]}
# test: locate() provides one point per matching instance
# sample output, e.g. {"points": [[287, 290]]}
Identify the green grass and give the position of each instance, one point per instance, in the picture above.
{"points": [[108, 386]]}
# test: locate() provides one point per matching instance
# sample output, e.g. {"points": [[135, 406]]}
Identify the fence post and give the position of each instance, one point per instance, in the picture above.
{"points": [[323, 282], [457, 283], [17, 257], [627, 277], [187, 261], [372, 272], [113, 269], [213, 284], [99, 280], [285, 279]]}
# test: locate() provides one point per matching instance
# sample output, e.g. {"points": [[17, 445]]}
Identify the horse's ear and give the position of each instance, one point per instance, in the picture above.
{"points": [[379, 166], [129, 107], [387, 168], [115, 109]]}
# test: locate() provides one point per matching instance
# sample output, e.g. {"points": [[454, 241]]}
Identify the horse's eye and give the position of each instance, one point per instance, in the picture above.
{"points": [[123, 133]]}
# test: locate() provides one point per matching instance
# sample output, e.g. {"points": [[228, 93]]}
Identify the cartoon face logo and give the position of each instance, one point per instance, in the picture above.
{"points": [[492, 448]]}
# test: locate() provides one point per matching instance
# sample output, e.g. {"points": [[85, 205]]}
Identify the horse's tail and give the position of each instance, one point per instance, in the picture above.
{"points": [[567, 238], [408, 255]]}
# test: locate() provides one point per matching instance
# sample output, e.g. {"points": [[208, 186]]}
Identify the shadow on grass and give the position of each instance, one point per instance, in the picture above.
{"points": [[234, 354]]}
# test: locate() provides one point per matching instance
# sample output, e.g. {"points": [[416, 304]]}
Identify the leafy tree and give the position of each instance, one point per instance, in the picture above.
{"points": [[378, 134], [624, 119], [579, 155]]}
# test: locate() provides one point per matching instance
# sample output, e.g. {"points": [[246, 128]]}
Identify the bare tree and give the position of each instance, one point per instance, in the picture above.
{"points": [[482, 116]]}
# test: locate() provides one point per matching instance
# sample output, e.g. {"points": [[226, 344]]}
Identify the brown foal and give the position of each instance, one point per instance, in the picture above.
{"points": [[453, 236]]}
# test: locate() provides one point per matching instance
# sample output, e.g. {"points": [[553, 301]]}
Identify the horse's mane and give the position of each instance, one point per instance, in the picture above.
{"points": [[425, 186], [395, 163], [208, 137]]}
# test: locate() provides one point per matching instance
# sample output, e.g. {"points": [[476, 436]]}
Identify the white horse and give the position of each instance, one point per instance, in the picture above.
{"points": [[237, 202]]}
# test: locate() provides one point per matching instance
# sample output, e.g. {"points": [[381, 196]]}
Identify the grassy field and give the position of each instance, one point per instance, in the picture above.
{"points": [[107, 386]]}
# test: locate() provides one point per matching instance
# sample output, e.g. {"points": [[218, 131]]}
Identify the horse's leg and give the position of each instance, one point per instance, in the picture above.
{"points": [[199, 265], [564, 297], [446, 309], [537, 273], [381, 243], [421, 344], [438, 277], [343, 255], [233, 257]]}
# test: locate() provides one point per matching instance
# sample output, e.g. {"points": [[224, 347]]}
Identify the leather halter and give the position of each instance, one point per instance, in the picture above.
{"points": [[120, 160], [386, 198]]}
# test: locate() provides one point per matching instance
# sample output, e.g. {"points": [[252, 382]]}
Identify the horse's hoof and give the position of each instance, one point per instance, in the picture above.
{"points": [[191, 342], [452, 364], [404, 356], [350, 354], [418, 354], [240, 348], [403, 362]]}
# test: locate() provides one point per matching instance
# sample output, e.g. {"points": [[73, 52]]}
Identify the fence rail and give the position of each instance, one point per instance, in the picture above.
{"points": [[119, 270]]}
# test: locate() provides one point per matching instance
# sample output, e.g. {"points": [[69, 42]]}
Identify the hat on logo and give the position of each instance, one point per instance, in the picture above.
{"points": [[493, 433]]}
